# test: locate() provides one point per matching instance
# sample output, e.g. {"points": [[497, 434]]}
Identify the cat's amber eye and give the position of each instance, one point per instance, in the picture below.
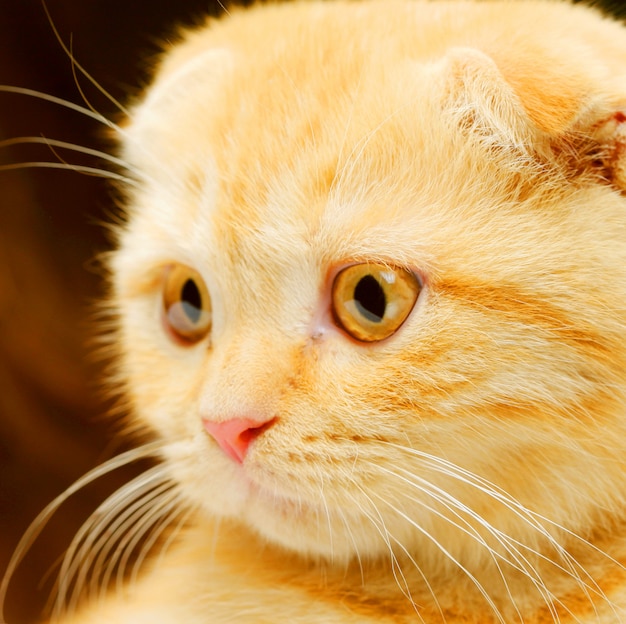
{"points": [[186, 304], [371, 301]]}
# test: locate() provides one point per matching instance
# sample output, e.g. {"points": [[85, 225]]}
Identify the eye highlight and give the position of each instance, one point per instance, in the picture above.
{"points": [[371, 301], [187, 312]]}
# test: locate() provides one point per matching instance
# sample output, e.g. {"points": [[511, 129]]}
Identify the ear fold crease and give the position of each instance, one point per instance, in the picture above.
{"points": [[611, 137]]}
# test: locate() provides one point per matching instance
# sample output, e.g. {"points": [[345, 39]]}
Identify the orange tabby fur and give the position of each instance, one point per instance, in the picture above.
{"points": [[471, 467]]}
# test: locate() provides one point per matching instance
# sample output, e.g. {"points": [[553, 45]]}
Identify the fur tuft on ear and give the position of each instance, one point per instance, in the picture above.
{"points": [[563, 119], [576, 107], [611, 138], [482, 101]]}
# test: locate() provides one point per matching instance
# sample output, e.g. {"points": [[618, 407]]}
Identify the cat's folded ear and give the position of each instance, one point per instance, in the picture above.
{"points": [[557, 114], [167, 116], [183, 73]]}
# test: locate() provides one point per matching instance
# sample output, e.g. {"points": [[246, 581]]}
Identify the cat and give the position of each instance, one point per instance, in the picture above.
{"points": [[370, 305]]}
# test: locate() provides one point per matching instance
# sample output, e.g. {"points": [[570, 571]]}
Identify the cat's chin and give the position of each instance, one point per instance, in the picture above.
{"points": [[300, 526], [310, 530], [306, 527]]}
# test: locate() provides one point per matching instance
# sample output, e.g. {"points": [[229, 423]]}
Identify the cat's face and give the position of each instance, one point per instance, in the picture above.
{"points": [[285, 181]]}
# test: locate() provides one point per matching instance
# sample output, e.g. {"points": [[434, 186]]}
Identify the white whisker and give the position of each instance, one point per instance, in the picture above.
{"points": [[100, 529], [382, 530], [357, 550], [409, 557], [174, 512], [519, 562], [114, 527], [449, 556], [565, 563], [223, 7], [68, 146], [327, 513], [134, 531], [492, 490], [38, 524]]}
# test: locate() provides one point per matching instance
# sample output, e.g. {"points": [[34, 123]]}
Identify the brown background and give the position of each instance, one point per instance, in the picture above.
{"points": [[52, 424]]}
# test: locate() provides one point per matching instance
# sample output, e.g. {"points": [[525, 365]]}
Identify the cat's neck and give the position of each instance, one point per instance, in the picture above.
{"points": [[377, 589]]}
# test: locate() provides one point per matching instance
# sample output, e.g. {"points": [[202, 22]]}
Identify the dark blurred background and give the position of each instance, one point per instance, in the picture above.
{"points": [[53, 423]]}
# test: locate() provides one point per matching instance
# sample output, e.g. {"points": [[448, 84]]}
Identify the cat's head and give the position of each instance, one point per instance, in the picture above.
{"points": [[372, 288]]}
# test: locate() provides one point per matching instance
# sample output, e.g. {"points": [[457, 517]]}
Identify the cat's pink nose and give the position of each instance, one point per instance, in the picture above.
{"points": [[235, 436]]}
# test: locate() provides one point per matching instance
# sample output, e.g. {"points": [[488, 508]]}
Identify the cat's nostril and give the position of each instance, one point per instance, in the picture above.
{"points": [[235, 436]]}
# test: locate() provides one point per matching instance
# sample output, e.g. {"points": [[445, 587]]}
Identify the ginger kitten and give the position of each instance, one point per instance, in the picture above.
{"points": [[371, 304]]}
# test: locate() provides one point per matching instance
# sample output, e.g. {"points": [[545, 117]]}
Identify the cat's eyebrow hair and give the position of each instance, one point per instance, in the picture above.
{"points": [[345, 257]]}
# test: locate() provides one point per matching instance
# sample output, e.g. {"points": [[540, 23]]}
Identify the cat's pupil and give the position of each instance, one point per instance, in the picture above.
{"points": [[370, 299], [191, 301]]}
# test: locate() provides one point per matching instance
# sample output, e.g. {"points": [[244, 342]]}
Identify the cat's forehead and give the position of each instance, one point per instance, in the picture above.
{"points": [[259, 146], [321, 130]]}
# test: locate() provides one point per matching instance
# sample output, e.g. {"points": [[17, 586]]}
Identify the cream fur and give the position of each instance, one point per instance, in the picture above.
{"points": [[469, 468]]}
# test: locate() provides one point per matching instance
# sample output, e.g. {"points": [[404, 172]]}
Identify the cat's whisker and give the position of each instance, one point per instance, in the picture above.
{"points": [[423, 577], [38, 524], [520, 510], [73, 147], [134, 531], [349, 476], [468, 529], [89, 562], [103, 523], [223, 7], [536, 521], [91, 113], [492, 490], [485, 594], [566, 563], [176, 512], [406, 552], [76, 65], [92, 171], [519, 562], [61, 102], [111, 534], [102, 566], [379, 524], [448, 502], [329, 522], [357, 550], [98, 531], [453, 504]]}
